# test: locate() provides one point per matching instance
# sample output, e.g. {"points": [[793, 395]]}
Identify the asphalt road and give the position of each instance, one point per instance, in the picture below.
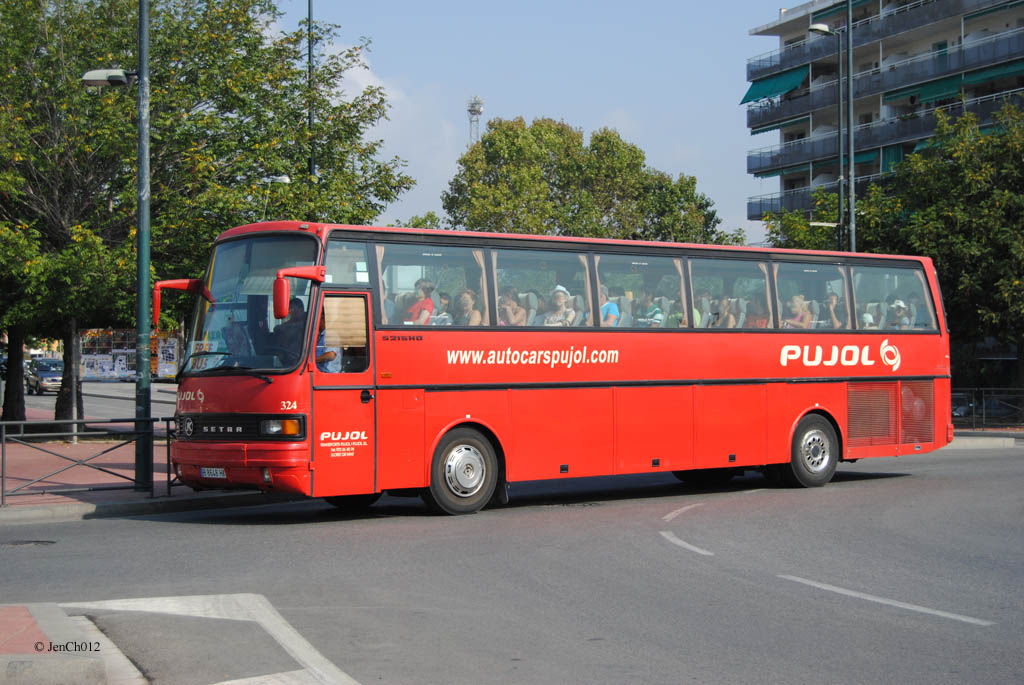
{"points": [[902, 570]]}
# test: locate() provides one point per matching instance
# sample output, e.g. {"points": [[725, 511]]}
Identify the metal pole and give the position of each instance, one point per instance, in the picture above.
{"points": [[852, 178], [309, 78], [143, 426], [839, 136], [74, 380]]}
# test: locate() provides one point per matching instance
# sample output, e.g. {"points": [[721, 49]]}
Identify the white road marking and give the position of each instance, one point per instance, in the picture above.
{"points": [[290, 678], [889, 602], [680, 510], [120, 671], [240, 607], [667, 534], [747, 492]]}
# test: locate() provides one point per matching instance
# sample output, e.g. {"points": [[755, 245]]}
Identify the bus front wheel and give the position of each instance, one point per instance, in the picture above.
{"points": [[814, 454], [463, 474]]}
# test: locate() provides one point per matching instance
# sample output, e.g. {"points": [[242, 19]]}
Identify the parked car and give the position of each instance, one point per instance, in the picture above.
{"points": [[44, 375], [962, 404]]}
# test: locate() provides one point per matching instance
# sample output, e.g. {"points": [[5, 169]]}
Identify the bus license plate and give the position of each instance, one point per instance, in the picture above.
{"points": [[208, 472]]}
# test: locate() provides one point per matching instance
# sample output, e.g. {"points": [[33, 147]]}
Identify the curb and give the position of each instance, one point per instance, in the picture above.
{"points": [[78, 664], [161, 505], [980, 441]]}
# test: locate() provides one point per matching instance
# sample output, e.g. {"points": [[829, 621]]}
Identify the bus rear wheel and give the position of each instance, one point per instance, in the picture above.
{"points": [[814, 454], [463, 474]]}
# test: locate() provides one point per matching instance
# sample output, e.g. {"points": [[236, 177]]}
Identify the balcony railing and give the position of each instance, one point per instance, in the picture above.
{"points": [[876, 134], [919, 69], [868, 30], [799, 198]]}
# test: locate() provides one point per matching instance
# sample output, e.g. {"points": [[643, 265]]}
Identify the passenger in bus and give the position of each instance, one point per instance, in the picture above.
{"points": [[725, 316], [442, 316], [560, 313], [915, 311], [867, 321], [328, 359], [287, 336], [756, 317], [609, 310], [510, 312], [419, 313], [676, 316], [465, 312], [799, 313], [898, 318], [836, 312], [648, 314]]}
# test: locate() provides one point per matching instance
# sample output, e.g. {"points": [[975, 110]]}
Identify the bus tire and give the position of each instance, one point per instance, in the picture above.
{"points": [[814, 455], [463, 473], [353, 503]]}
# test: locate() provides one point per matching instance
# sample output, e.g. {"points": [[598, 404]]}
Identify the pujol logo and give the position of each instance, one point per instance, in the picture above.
{"points": [[191, 396], [846, 355]]}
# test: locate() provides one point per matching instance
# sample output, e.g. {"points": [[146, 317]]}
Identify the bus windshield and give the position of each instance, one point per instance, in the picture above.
{"points": [[237, 332]]}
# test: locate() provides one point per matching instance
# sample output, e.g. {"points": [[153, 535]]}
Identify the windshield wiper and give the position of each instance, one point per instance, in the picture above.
{"points": [[220, 370], [198, 353]]}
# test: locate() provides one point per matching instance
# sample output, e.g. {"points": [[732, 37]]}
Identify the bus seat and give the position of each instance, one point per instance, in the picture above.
{"points": [[815, 309], [581, 310], [529, 302], [389, 311], [625, 306], [741, 312]]}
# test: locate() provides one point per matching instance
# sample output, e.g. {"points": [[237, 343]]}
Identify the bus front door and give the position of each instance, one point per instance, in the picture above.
{"points": [[343, 422]]}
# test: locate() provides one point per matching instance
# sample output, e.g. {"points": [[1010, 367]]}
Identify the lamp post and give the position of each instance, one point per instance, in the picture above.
{"points": [[824, 30], [849, 118], [118, 77]]}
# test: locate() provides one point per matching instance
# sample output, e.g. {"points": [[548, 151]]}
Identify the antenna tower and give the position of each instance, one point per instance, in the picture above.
{"points": [[474, 108]]}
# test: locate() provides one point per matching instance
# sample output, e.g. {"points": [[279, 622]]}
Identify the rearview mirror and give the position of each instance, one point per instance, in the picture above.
{"points": [[283, 290]]}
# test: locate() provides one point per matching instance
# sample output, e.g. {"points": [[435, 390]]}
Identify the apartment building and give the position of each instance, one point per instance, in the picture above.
{"points": [[910, 58]]}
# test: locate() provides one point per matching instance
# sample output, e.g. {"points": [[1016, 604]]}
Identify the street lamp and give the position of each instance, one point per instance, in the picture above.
{"points": [[824, 30], [118, 77], [284, 179]]}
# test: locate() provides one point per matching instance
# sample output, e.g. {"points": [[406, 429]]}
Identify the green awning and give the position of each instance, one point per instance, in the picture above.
{"points": [[1005, 70], [891, 156], [836, 9], [991, 10], [923, 144], [927, 92], [782, 172], [776, 85], [781, 124]]}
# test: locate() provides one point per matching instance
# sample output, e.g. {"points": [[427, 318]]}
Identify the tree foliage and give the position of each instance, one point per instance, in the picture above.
{"points": [[543, 179], [793, 229], [229, 107], [961, 202]]}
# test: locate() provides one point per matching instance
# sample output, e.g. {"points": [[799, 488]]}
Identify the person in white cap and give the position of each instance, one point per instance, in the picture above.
{"points": [[899, 315], [867, 321], [560, 314]]}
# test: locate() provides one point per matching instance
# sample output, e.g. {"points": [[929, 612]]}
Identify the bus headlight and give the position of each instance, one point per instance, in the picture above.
{"points": [[280, 427]]}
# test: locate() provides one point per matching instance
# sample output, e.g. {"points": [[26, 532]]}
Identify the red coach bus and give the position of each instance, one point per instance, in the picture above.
{"points": [[343, 362]]}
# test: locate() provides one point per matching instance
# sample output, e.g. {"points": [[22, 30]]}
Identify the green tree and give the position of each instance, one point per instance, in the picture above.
{"points": [[428, 220], [543, 179], [228, 111], [961, 202], [793, 229]]}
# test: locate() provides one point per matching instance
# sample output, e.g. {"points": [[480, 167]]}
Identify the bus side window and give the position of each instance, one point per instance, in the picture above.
{"points": [[342, 336], [730, 293], [550, 289], [815, 289], [893, 297], [644, 289]]}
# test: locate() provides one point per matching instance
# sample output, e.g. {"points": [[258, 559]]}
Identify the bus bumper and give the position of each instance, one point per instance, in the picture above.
{"points": [[270, 467]]}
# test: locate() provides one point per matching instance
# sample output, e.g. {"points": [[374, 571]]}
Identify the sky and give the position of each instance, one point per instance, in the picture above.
{"points": [[668, 76]]}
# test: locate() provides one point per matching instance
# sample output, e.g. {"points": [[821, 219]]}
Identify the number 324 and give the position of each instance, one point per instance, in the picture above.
{"points": [[287, 405]]}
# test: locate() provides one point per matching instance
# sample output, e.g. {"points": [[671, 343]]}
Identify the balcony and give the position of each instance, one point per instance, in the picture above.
{"points": [[899, 20], [973, 55], [877, 134], [799, 199]]}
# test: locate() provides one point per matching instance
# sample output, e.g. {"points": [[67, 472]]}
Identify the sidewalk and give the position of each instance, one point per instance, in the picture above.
{"points": [[26, 463]]}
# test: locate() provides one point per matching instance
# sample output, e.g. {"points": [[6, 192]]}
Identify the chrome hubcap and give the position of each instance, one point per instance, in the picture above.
{"points": [[815, 451], [464, 470]]}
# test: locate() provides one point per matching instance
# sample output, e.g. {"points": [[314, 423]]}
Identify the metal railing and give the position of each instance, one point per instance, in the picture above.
{"points": [[878, 133], [892, 21], [798, 198], [15, 433], [988, 407], [971, 55]]}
